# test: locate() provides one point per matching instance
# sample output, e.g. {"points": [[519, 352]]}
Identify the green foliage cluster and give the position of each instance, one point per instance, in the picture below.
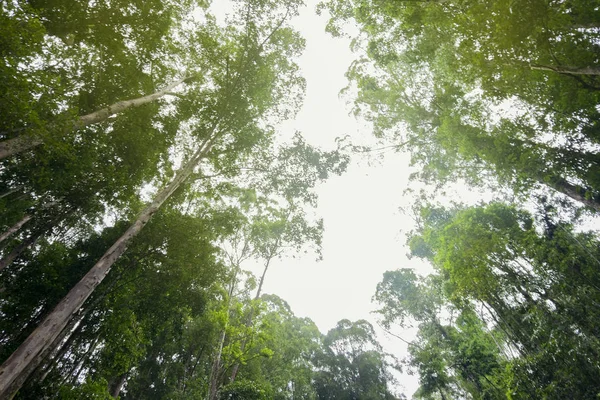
{"points": [[501, 95], [505, 303], [498, 94], [147, 127]]}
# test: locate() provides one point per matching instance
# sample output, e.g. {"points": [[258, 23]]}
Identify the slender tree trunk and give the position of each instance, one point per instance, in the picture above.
{"points": [[215, 372], [78, 368], [236, 367], [15, 369], [568, 70], [3, 195], [10, 231], [34, 365], [73, 329], [26, 142], [16, 252]]}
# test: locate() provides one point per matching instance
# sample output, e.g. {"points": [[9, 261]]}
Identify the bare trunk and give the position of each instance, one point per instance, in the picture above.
{"points": [[10, 231], [73, 329], [16, 252], [262, 279], [575, 192], [78, 368], [3, 195], [117, 385], [26, 142], [215, 371], [568, 70], [15, 369]]}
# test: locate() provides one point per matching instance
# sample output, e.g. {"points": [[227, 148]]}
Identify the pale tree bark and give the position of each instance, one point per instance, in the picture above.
{"points": [[575, 192], [215, 372], [16, 252], [27, 142], [10, 231], [16, 368], [11, 191], [116, 386], [28, 242], [67, 337], [568, 70]]}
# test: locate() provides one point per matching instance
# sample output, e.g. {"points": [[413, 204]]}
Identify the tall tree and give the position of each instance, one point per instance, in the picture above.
{"points": [[259, 53], [352, 364], [534, 289], [439, 78]]}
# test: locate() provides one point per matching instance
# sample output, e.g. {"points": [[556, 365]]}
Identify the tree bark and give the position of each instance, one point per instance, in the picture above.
{"points": [[15, 369], [117, 385], [215, 372], [568, 70], [16, 252], [236, 367], [575, 192], [10, 231], [11, 191], [27, 142]]}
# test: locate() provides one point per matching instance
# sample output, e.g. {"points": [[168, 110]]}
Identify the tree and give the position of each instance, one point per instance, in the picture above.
{"points": [[451, 356], [89, 56], [245, 94], [352, 364], [440, 77], [529, 287]]}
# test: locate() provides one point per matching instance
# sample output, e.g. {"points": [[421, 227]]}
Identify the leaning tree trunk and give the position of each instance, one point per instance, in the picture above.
{"points": [[28, 142], [15, 369], [10, 231], [575, 192], [16, 252], [568, 70]]}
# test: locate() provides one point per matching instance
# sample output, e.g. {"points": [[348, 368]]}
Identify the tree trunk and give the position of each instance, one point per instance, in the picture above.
{"points": [[15, 369], [16, 252], [45, 354], [575, 192], [78, 368], [215, 371], [568, 70], [28, 142], [236, 367], [10, 231], [73, 329], [116, 386], [11, 191]]}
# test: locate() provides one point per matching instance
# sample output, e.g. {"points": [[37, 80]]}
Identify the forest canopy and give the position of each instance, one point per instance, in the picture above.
{"points": [[143, 167]]}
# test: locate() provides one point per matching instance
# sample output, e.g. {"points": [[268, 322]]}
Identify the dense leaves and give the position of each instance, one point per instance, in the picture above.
{"points": [[503, 93], [506, 300], [138, 148]]}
